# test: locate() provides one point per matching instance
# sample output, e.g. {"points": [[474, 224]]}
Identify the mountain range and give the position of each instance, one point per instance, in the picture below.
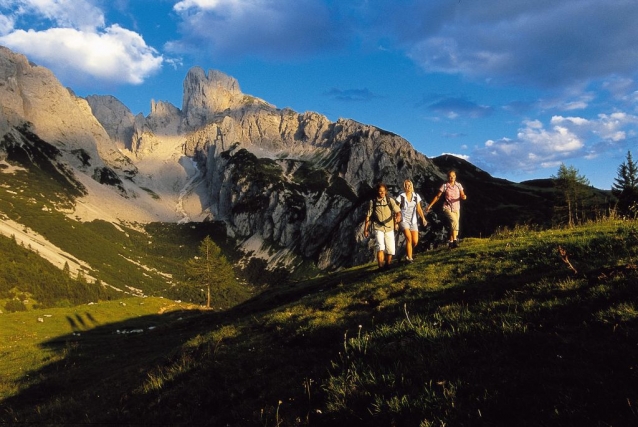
{"points": [[286, 187]]}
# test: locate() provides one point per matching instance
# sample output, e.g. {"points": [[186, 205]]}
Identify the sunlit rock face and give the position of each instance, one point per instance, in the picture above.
{"points": [[30, 93], [288, 186]]}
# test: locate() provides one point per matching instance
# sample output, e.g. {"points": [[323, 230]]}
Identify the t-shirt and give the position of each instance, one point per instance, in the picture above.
{"points": [[408, 211], [452, 196]]}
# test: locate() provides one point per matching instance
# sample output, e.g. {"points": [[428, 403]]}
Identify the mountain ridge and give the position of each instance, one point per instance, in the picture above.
{"points": [[288, 187]]}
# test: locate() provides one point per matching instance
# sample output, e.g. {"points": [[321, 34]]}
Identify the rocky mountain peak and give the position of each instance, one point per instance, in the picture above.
{"points": [[206, 95], [115, 117], [32, 94]]}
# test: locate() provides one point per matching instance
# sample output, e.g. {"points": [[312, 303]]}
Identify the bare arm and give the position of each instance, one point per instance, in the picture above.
{"points": [[436, 199], [419, 212], [397, 211]]}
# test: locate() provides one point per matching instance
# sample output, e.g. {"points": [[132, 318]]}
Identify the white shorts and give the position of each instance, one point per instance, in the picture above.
{"points": [[404, 225], [385, 241]]}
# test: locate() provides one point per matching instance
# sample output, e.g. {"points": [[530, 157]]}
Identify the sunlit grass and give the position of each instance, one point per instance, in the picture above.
{"points": [[498, 332]]}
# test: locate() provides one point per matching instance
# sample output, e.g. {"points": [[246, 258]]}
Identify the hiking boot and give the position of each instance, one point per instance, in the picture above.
{"points": [[455, 244]]}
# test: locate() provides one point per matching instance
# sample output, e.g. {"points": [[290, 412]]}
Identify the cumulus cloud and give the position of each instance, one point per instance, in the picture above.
{"points": [[6, 24], [67, 13], [460, 156], [267, 29], [536, 146], [78, 46]]}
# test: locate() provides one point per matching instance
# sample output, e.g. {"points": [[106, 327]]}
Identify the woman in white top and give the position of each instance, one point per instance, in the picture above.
{"points": [[410, 204]]}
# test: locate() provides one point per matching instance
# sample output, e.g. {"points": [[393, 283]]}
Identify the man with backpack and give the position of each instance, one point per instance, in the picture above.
{"points": [[384, 213]]}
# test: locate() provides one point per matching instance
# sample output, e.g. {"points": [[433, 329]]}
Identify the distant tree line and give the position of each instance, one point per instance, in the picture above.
{"points": [[26, 276], [577, 203]]}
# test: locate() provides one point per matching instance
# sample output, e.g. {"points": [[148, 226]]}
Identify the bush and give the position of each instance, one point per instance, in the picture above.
{"points": [[15, 305]]}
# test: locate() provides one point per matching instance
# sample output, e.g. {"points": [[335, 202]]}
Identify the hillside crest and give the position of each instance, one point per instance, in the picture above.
{"points": [[289, 187]]}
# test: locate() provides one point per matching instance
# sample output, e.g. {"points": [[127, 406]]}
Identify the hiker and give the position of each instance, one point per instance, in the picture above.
{"points": [[384, 214], [410, 204], [454, 193]]}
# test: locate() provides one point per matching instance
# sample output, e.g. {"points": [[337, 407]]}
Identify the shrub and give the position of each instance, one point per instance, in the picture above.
{"points": [[15, 305]]}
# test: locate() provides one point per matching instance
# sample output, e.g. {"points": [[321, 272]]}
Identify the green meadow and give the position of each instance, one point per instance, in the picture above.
{"points": [[525, 328]]}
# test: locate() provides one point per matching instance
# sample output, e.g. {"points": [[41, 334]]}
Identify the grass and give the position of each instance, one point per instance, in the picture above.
{"points": [[119, 255], [499, 332], [32, 340]]}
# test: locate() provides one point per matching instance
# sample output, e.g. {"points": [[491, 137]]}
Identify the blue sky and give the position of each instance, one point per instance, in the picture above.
{"points": [[517, 87]]}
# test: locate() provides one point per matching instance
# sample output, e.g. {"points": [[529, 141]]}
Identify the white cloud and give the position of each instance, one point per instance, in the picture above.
{"points": [[610, 126], [115, 55], [63, 13], [620, 87], [79, 47], [6, 24], [185, 5], [533, 147], [536, 147], [460, 156]]}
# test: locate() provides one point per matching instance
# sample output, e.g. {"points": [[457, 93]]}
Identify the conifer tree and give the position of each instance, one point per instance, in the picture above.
{"points": [[66, 269], [626, 187], [573, 188], [211, 269]]}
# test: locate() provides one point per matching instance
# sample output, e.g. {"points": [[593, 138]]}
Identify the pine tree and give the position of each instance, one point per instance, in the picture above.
{"points": [[211, 269], [573, 188], [66, 269], [626, 186]]}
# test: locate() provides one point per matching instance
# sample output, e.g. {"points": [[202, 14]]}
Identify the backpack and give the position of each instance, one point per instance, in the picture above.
{"points": [[374, 211], [414, 199]]}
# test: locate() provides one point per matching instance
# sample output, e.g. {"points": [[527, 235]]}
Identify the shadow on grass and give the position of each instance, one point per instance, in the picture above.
{"points": [[500, 365], [143, 371]]}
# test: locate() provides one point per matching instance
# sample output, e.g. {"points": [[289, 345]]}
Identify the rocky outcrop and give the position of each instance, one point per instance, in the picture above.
{"points": [[30, 93], [298, 181], [289, 186], [115, 117]]}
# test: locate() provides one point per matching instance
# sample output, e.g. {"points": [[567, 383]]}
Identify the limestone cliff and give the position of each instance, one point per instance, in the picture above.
{"points": [[29, 93], [288, 186]]}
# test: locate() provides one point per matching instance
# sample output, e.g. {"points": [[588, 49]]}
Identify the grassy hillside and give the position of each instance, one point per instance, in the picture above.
{"points": [[147, 259], [526, 328], [494, 203], [25, 276]]}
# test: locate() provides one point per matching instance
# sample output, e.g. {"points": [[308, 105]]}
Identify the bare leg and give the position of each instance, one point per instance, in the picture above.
{"points": [[381, 258], [415, 240], [408, 243]]}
